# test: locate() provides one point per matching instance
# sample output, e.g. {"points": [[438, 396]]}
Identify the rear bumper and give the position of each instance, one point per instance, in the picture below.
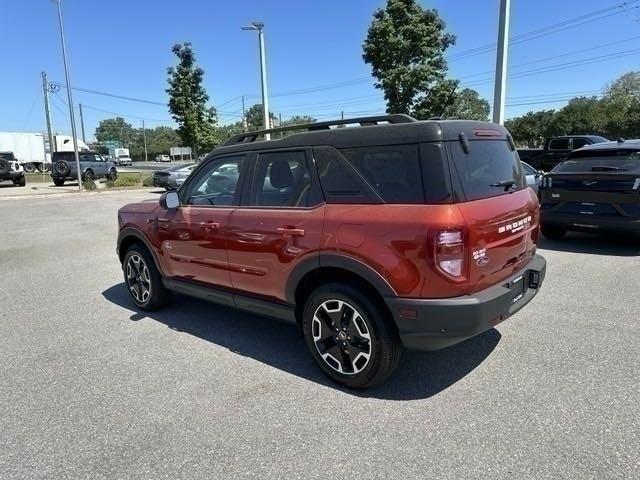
{"points": [[432, 324], [591, 223], [11, 175]]}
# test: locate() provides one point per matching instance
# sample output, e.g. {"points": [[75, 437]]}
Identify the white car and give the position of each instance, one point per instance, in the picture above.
{"points": [[532, 175], [163, 158], [125, 160]]}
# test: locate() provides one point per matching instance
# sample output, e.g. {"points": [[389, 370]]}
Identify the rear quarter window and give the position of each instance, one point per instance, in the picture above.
{"points": [[487, 163]]}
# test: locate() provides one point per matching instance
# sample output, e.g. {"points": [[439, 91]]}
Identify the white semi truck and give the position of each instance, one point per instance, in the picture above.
{"points": [[32, 149]]}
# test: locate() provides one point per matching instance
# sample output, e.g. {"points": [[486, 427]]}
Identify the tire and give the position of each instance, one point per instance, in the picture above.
{"points": [[58, 182], [370, 333], [553, 233], [44, 168], [62, 168], [88, 176], [143, 280], [5, 167], [112, 175], [20, 182], [29, 167]]}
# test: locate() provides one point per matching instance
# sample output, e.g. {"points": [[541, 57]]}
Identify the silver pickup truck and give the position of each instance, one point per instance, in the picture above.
{"points": [[92, 166]]}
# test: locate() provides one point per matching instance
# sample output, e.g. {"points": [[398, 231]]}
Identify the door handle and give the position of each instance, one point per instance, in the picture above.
{"points": [[291, 231], [210, 225]]}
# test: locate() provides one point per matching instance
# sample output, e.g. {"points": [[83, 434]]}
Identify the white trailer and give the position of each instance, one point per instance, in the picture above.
{"points": [[31, 149]]}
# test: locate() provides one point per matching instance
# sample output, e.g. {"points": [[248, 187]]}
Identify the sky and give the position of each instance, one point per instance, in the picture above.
{"points": [[314, 55]]}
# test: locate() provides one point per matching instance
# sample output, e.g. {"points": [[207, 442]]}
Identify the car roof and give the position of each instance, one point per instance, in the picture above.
{"points": [[590, 136], [633, 144], [408, 130]]}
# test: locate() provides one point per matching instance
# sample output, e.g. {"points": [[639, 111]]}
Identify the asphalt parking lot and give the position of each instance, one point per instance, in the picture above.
{"points": [[92, 388]]}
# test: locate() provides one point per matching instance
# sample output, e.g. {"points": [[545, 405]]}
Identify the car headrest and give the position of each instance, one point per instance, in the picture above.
{"points": [[280, 175]]}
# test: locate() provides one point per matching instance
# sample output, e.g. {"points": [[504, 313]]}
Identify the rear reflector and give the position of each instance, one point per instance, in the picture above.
{"points": [[450, 253]]}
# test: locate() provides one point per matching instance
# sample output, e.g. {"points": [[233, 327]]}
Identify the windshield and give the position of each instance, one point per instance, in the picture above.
{"points": [[490, 168], [601, 161]]}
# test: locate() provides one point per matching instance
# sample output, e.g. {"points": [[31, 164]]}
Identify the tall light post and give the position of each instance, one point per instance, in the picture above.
{"points": [[69, 96], [501, 62], [259, 27]]}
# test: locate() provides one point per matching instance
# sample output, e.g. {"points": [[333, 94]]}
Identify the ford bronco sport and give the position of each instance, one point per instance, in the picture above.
{"points": [[391, 233]]}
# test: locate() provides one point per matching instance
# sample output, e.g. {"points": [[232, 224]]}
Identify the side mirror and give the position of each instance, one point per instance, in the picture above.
{"points": [[169, 200]]}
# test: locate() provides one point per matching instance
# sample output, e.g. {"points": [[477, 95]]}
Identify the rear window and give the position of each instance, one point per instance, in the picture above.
{"points": [[559, 144], [490, 168], [624, 160]]}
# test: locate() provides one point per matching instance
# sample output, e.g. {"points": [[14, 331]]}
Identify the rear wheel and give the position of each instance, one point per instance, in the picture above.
{"points": [[553, 233], [58, 182], [350, 337], [143, 280], [29, 167]]}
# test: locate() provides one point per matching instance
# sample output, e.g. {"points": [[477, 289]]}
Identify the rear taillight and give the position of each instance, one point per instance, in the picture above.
{"points": [[450, 253]]}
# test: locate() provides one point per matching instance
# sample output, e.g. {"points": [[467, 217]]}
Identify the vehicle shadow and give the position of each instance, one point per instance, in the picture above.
{"points": [[419, 376], [617, 245]]}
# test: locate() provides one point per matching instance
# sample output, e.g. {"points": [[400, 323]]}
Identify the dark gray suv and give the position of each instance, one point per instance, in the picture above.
{"points": [[92, 166]]}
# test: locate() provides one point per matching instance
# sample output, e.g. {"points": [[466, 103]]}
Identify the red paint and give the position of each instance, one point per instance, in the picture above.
{"points": [[256, 249]]}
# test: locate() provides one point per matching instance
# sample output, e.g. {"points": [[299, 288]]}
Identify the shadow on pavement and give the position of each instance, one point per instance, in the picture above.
{"points": [[420, 375], [618, 245]]}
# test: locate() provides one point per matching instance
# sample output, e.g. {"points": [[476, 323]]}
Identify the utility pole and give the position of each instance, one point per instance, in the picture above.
{"points": [[341, 114], [69, 97], [144, 138], [244, 117], [47, 114], [259, 27], [82, 123], [499, 93]]}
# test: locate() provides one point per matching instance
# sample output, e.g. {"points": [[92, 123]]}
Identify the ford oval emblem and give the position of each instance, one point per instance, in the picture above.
{"points": [[482, 261]]}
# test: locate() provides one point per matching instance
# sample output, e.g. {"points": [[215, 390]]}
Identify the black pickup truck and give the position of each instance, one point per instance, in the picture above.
{"points": [[555, 150]]}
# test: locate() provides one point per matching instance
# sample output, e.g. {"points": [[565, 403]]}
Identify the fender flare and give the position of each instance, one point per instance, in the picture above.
{"points": [[336, 260], [133, 232]]}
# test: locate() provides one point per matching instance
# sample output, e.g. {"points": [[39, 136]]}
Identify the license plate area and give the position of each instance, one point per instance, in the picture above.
{"points": [[517, 288]]}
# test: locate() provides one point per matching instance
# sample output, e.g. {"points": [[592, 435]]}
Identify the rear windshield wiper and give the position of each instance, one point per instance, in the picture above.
{"points": [[606, 168], [507, 184]]}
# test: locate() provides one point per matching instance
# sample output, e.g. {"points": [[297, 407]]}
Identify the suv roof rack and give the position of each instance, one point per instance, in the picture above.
{"points": [[249, 137]]}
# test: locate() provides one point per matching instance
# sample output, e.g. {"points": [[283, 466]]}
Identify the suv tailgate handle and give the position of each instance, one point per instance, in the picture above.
{"points": [[291, 231]]}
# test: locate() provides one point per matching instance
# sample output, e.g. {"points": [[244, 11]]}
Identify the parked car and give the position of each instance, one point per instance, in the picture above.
{"points": [[92, 166], [124, 161], [172, 178], [597, 189], [10, 169], [532, 175], [556, 149], [396, 233], [163, 158]]}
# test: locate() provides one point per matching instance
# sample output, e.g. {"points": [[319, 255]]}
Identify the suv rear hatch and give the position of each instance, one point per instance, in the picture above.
{"points": [[501, 212], [595, 184]]}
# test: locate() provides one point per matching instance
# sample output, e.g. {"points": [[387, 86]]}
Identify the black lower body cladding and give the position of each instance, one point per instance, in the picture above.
{"points": [[432, 324]]}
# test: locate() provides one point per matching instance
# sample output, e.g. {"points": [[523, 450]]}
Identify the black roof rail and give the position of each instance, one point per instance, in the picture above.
{"points": [[249, 137]]}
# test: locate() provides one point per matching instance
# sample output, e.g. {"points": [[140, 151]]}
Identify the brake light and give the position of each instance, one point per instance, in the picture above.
{"points": [[450, 253]]}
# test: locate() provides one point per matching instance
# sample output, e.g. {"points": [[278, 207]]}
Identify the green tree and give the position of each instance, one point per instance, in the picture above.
{"points": [[532, 128], [405, 47], [116, 129], [445, 100], [298, 120], [581, 116], [254, 117], [188, 101]]}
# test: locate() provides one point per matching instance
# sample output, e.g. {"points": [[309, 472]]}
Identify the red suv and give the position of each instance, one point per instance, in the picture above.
{"points": [[390, 233]]}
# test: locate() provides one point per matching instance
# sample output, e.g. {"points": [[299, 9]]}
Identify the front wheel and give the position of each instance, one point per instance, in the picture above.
{"points": [[20, 182], [351, 337], [58, 182], [112, 175], [143, 280]]}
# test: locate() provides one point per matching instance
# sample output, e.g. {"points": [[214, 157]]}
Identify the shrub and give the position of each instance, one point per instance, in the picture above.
{"points": [[122, 182], [148, 182], [89, 185]]}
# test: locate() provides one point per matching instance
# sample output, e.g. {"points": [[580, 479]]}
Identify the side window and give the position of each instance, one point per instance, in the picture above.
{"points": [[340, 182], [216, 183], [282, 179], [579, 143], [528, 169], [559, 144], [393, 171]]}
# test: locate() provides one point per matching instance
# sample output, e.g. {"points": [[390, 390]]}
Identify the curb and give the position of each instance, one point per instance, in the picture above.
{"points": [[109, 191]]}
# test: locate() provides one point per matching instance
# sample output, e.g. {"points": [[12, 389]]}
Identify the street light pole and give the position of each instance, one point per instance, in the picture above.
{"points": [[69, 97], [47, 114], [259, 27], [499, 92]]}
